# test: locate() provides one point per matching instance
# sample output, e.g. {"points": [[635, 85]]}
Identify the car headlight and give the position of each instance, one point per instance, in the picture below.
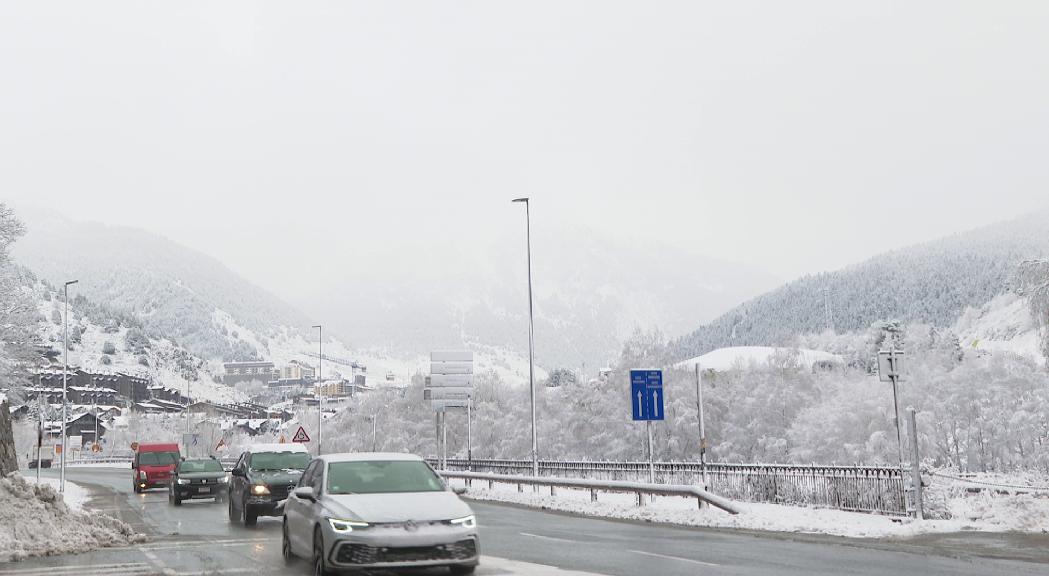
{"points": [[344, 526], [183, 480], [260, 490], [466, 521], [224, 479]]}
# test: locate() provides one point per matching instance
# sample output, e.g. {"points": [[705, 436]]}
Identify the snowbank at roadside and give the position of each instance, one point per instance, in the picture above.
{"points": [[992, 513], [75, 495], [35, 521]]}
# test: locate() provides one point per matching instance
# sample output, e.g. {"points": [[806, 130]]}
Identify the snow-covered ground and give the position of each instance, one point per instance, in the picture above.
{"points": [[75, 495], [1002, 325], [725, 359], [35, 521], [984, 512]]}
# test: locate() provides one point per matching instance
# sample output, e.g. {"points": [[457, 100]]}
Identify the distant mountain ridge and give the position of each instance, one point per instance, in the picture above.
{"points": [[173, 290], [933, 283]]}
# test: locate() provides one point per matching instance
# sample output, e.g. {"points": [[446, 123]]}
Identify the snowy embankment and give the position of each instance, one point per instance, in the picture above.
{"points": [[35, 521], [982, 512]]}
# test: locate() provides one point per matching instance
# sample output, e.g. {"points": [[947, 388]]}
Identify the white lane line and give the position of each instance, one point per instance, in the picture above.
{"points": [[123, 570], [541, 537], [678, 558], [219, 571], [203, 544]]}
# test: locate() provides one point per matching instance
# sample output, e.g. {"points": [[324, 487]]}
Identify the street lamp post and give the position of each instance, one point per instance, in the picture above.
{"points": [[320, 389], [65, 375], [531, 359]]}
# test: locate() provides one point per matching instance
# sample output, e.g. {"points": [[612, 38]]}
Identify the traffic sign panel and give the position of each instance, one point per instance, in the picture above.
{"points": [[451, 356], [451, 367], [646, 394], [449, 393], [439, 405], [300, 435], [890, 363], [440, 380]]}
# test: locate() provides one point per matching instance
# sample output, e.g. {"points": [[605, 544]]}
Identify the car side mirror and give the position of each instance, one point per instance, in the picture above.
{"points": [[237, 472], [459, 490], [305, 493]]}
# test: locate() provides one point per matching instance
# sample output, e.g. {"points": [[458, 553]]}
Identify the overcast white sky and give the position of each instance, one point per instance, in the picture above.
{"points": [[791, 136]]}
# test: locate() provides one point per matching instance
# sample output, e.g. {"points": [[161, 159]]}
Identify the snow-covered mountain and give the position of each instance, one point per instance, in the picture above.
{"points": [[932, 283], [174, 291]]}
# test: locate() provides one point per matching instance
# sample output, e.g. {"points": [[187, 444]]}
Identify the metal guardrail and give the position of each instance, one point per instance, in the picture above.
{"points": [[872, 489], [227, 463], [642, 489]]}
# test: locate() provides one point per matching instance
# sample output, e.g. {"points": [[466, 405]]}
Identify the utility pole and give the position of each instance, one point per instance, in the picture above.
{"points": [[65, 377], [320, 391], [702, 428], [531, 354]]}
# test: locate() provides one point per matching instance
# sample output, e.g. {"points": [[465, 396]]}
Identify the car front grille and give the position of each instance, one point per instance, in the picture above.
{"points": [[362, 554], [280, 492]]}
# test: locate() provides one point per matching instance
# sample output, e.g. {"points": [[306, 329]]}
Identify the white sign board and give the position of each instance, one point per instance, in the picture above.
{"points": [[76, 442], [885, 370], [451, 356], [451, 367], [447, 393], [444, 380], [440, 405]]}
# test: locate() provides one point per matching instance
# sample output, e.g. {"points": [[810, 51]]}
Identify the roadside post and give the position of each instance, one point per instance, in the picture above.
{"points": [[916, 473], [702, 430], [890, 368], [646, 401], [450, 385]]}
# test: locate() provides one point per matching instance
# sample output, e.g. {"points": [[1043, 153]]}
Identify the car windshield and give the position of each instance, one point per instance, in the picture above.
{"points": [[190, 466], [279, 461], [381, 476], [157, 458]]}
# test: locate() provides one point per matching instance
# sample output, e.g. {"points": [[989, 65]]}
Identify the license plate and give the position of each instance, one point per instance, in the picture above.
{"points": [[203, 490]]}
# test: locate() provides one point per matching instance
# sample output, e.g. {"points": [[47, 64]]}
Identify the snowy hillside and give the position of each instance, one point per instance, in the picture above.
{"points": [[122, 346], [171, 289], [1002, 325], [724, 359], [931, 283]]}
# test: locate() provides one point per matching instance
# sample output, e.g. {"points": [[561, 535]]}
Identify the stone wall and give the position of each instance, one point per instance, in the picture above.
{"points": [[8, 456]]}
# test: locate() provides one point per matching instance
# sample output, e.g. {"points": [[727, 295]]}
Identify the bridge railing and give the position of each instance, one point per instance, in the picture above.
{"points": [[873, 489]]}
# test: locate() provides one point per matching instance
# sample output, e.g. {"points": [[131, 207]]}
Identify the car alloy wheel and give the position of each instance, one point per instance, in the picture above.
{"points": [[285, 544], [319, 568]]}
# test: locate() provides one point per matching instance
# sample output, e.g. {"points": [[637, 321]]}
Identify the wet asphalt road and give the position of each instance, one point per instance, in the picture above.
{"points": [[197, 538]]}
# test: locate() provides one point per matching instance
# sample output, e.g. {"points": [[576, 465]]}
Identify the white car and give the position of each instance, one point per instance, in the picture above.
{"points": [[374, 510]]}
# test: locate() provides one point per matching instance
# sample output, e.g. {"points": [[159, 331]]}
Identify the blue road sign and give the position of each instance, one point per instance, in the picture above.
{"points": [[646, 394]]}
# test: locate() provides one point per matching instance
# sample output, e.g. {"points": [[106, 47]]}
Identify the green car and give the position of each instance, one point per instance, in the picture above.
{"points": [[201, 478]]}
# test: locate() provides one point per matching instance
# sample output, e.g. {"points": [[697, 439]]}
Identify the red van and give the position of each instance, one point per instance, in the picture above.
{"points": [[153, 465]]}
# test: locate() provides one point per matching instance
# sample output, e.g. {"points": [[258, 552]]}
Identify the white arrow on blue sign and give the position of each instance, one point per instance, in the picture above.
{"points": [[646, 394]]}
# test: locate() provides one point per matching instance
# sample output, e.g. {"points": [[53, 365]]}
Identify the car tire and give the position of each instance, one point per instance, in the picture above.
{"points": [[233, 515], [250, 517], [134, 486], [462, 569], [285, 544], [320, 564], [176, 500]]}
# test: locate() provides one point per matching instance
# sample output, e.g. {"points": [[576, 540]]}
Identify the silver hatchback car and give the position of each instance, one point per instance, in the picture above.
{"points": [[374, 510]]}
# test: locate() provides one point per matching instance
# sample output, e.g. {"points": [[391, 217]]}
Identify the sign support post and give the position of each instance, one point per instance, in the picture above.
{"points": [[469, 434], [916, 475], [702, 430]]}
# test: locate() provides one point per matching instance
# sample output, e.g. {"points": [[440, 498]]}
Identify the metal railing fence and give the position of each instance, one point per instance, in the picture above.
{"points": [[873, 489]]}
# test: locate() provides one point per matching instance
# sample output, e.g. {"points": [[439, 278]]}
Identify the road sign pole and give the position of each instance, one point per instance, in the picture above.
{"points": [[896, 404], [702, 429], [916, 478], [651, 457], [469, 434], [444, 440]]}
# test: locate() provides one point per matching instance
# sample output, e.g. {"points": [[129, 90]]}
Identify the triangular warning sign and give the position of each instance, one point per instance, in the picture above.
{"points": [[221, 444], [300, 435]]}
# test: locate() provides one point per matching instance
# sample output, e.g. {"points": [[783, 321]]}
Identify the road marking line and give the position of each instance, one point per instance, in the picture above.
{"points": [[678, 558], [219, 571], [79, 570], [541, 537]]}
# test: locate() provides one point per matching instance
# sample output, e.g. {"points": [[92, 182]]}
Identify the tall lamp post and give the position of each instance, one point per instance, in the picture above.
{"points": [[320, 389], [531, 361], [65, 375]]}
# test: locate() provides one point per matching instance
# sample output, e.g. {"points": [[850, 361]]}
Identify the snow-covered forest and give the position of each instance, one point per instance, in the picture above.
{"points": [[976, 411], [931, 283]]}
